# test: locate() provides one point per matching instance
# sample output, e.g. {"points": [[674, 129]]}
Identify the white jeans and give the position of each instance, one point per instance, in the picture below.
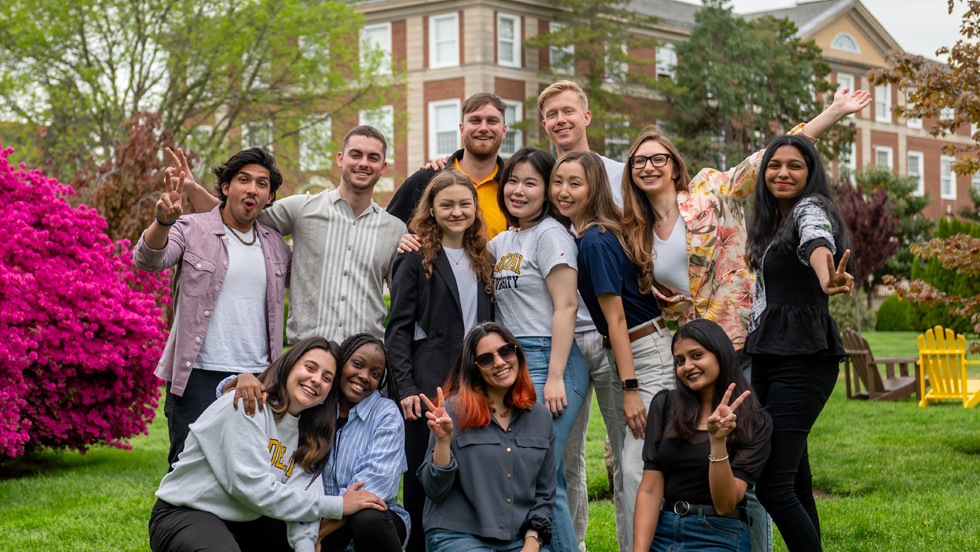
{"points": [[609, 395], [654, 366]]}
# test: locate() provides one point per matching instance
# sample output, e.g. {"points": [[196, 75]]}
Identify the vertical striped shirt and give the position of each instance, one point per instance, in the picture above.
{"points": [[340, 264]]}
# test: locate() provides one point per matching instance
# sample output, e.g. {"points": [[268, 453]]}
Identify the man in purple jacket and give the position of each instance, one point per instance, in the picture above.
{"points": [[228, 285]]}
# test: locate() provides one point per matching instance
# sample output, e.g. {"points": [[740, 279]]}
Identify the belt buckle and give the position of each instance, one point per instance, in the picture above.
{"points": [[682, 504]]}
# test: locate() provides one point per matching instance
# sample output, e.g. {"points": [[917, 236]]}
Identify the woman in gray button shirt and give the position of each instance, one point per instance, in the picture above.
{"points": [[489, 476]]}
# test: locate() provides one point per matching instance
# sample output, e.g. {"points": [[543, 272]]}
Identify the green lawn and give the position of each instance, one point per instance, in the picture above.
{"points": [[899, 477]]}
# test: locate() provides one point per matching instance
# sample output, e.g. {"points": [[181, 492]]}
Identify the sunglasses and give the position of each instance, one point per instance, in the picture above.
{"points": [[507, 352], [658, 160]]}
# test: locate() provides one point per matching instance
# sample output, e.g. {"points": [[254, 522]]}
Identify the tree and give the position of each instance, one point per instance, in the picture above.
{"points": [[80, 332], [599, 44], [741, 82], [206, 67], [872, 224], [947, 92]]}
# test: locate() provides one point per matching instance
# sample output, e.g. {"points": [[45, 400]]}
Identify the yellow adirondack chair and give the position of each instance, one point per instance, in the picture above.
{"points": [[942, 357]]}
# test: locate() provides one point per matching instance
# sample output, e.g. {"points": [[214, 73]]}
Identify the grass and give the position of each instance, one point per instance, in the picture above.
{"points": [[899, 477]]}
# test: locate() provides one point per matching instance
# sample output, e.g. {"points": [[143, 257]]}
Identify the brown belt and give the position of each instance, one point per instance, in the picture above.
{"points": [[658, 324]]}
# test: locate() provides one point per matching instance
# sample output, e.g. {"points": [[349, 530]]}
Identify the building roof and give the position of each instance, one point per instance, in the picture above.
{"points": [[668, 11], [806, 15]]}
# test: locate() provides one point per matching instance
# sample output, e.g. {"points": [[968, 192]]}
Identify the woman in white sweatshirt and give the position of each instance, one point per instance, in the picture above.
{"points": [[228, 489]]}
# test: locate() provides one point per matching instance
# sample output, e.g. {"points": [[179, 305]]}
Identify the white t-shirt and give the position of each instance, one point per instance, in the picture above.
{"points": [[467, 285], [237, 339], [523, 261], [670, 264]]}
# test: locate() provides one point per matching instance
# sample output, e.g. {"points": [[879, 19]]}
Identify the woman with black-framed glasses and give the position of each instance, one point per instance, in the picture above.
{"points": [[489, 475]]}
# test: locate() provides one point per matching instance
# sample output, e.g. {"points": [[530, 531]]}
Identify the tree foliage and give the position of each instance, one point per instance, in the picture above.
{"points": [[595, 44], [83, 68], [80, 330], [740, 82]]}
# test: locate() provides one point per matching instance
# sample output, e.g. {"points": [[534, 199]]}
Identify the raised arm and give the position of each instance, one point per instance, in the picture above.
{"points": [[201, 198], [726, 489], [156, 251], [844, 104]]}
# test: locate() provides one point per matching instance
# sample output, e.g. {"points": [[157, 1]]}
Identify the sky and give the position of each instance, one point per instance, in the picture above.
{"points": [[919, 26]]}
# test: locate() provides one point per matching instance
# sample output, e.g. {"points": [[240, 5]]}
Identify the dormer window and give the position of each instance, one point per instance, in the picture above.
{"points": [[845, 43]]}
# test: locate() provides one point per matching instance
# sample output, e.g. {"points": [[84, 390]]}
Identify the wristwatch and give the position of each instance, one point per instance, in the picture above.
{"points": [[630, 384], [532, 534]]}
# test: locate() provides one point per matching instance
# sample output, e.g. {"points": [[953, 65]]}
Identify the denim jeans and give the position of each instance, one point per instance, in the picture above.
{"points": [[537, 351], [760, 524], [695, 532], [654, 365], [794, 391], [444, 540]]}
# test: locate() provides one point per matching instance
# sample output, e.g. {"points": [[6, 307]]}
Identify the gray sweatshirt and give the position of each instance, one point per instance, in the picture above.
{"points": [[236, 467]]}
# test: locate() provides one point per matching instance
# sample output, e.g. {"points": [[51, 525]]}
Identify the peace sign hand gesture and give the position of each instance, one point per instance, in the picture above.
{"points": [[168, 208], [722, 421], [840, 281], [440, 424]]}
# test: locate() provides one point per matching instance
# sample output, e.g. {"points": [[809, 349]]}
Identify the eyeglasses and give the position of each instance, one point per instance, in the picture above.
{"points": [[658, 160], [506, 352]]}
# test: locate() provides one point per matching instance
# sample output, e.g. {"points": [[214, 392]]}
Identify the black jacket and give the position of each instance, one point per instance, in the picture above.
{"points": [[433, 304]]}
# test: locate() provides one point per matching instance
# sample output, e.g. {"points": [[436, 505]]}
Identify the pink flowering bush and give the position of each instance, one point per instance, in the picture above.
{"points": [[80, 328]]}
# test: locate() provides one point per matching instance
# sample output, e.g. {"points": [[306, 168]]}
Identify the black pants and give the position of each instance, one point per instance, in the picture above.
{"points": [[416, 445], [182, 529], [371, 530], [184, 410], [794, 390]]}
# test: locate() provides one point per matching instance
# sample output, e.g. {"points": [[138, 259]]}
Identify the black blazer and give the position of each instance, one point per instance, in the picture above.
{"points": [[433, 304]]}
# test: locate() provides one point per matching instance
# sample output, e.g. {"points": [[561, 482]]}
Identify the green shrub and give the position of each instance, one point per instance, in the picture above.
{"points": [[844, 314], [893, 316]]}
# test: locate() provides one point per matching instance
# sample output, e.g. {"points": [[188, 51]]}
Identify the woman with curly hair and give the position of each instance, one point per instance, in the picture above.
{"points": [[437, 294]]}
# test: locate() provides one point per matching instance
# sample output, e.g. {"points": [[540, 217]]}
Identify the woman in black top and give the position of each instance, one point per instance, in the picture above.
{"points": [[795, 235], [437, 294], [698, 461]]}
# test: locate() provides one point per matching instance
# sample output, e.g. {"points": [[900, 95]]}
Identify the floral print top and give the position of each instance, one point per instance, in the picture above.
{"points": [[713, 209]]}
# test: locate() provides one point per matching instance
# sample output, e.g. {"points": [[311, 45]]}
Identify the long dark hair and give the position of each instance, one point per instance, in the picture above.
{"points": [[766, 223], [317, 424], [388, 384], [542, 162], [465, 382], [685, 409], [423, 223]]}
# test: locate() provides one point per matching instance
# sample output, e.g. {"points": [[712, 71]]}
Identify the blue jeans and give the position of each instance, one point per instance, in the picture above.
{"points": [[444, 540], [537, 351], [695, 532]]}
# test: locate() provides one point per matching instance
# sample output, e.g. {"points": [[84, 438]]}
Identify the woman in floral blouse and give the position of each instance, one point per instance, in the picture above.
{"points": [[692, 231]]}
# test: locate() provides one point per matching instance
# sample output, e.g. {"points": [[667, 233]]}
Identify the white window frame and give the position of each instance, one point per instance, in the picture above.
{"points": [[976, 181], [383, 119], [666, 61], [372, 33], [251, 128], [888, 151], [514, 139], [435, 40], [515, 41], [946, 164], [921, 183], [434, 132], [315, 130], [947, 113], [849, 162], [621, 140], [561, 60], [883, 103], [621, 67], [840, 43], [845, 80]]}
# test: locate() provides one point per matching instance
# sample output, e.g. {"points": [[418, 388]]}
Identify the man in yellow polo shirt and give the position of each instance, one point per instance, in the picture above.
{"points": [[482, 131]]}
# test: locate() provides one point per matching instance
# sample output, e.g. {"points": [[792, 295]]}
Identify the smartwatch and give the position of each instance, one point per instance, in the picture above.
{"points": [[630, 384]]}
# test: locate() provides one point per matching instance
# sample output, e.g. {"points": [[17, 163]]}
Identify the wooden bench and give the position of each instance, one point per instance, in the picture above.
{"points": [[866, 373]]}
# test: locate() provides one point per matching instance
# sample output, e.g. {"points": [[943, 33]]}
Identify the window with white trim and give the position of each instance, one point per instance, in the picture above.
{"points": [[846, 81], [666, 61], [616, 69], [514, 139], [444, 40], [947, 178], [383, 119], [257, 134], [562, 60], [915, 171], [976, 181], [376, 44], [848, 162], [911, 122], [845, 43], [315, 134], [443, 128], [883, 157], [508, 40], [883, 103], [617, 139], [947, 113]]}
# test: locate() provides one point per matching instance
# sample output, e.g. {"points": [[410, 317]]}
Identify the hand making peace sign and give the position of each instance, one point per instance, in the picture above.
{"points": [[168, 208], [722, 421], [840, 281], [440, 424]]}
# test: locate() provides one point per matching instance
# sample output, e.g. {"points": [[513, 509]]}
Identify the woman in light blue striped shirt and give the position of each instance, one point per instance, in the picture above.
{"points": [[369, 448]]}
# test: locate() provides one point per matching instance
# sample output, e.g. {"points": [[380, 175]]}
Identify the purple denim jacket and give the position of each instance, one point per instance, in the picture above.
{"points": [[196, 246]]}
